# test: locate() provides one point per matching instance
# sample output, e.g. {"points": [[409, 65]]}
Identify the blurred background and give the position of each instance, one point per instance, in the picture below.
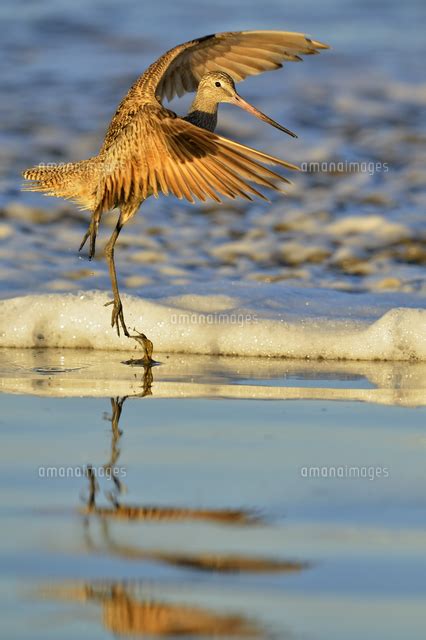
{"points": [[64, 68]]}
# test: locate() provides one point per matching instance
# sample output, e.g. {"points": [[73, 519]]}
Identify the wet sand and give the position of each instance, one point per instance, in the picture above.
{"points": [[89, 373]]}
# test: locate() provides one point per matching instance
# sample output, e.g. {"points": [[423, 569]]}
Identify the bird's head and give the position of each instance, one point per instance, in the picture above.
{"points": [[218, 86]]}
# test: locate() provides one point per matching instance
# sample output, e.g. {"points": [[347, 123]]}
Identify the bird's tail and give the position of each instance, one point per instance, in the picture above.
{"points": [[76, 181]]}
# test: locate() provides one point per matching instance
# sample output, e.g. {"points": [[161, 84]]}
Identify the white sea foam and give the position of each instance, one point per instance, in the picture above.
{"points": [[244, 320]]}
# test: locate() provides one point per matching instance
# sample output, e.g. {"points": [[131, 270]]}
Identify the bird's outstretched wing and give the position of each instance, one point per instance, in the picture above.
{"points": [[239, 53], [157, 152]]}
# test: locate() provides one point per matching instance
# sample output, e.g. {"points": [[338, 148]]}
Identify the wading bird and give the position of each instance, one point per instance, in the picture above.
{"points": [[149, 150]]}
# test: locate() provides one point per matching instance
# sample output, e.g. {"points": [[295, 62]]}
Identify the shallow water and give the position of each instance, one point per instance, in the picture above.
{"points": [[232, 516], [64, 69]]}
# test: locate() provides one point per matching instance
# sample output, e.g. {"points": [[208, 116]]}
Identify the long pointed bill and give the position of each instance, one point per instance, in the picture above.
{"points": [[243, 104]]}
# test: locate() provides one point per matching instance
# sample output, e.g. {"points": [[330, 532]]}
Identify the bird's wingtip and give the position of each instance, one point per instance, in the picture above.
{"points": [[317, 44]]}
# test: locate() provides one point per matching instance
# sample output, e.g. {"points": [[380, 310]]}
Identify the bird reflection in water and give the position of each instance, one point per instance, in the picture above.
{"points": [[116, 510], [141, 608], [127, 611]]}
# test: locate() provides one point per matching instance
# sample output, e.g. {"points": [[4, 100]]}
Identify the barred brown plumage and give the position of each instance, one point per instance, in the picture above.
{"points": [[149, 150]]}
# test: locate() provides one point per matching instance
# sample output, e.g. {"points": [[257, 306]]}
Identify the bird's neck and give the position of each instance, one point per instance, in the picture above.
{"points": [[203, 113]]}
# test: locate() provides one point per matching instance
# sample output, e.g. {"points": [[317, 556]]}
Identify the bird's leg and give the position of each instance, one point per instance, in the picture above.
{"points": [[117, 406], [117, 318], [92, 232], [93, 488]]}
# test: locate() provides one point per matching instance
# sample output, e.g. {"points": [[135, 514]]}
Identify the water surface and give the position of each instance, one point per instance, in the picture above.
{"points": [[230, 515]]}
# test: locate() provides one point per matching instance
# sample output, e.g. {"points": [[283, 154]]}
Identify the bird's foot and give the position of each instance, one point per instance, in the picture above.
{"points": [[147, 346], [91, 233], [117, 316], [117, 321]]}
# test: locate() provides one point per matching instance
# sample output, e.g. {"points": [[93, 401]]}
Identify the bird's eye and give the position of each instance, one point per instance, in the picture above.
{"points": [[218, 84]]}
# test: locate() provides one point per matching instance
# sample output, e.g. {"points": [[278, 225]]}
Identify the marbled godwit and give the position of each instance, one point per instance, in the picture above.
{"points": [[148, 149]]}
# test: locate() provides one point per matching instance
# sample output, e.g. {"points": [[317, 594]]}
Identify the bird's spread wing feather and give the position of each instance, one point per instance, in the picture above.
{"points": [[161, 153], [239, 53]]}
